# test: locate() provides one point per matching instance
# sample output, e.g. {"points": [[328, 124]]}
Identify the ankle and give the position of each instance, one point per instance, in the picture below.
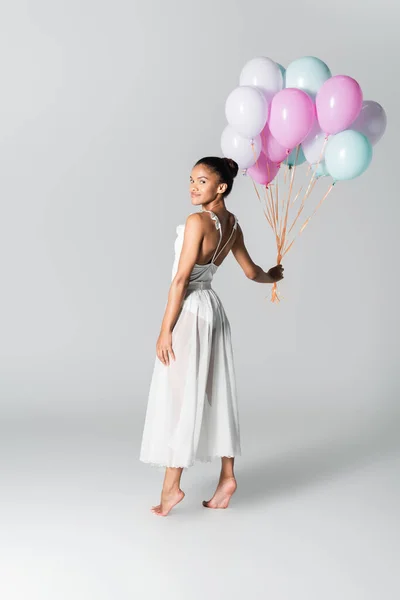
{"points": [[224, 477], [170, 489]]}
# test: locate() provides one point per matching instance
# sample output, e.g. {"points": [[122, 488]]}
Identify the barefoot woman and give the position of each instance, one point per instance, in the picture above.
{"points": [[192, 410]]}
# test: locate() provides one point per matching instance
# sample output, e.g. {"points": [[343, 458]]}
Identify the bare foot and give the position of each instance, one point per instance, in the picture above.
{"points": [[168, 501], [223, 493]]}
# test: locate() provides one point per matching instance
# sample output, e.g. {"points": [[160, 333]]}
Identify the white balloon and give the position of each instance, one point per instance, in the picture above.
{"points": [[265, 74], [371, 121], [313, 144], [235, 146], [246, 109]]}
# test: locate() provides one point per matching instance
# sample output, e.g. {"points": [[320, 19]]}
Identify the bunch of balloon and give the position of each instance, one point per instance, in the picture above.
{"points": [[299, 116]]}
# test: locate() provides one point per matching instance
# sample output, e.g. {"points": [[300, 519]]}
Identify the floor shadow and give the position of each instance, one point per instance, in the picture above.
{"points": [[305, 466]]}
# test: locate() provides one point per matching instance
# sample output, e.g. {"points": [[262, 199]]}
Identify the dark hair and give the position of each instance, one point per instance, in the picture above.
{"points": [[225, 168]]}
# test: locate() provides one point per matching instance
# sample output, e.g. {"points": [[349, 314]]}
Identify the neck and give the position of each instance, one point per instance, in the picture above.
{"points": [[217, 207]]}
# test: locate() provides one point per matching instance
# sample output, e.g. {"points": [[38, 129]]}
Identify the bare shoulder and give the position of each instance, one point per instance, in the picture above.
{"points": [[195, 217], [239, 231], [192, 239], [194, 224]]}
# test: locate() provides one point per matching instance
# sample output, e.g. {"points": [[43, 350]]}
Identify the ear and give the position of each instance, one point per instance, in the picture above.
{"points": [[222, 188]]}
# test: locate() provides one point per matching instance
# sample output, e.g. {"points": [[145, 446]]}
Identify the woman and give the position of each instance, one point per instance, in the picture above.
{"points": [[192, 410]]}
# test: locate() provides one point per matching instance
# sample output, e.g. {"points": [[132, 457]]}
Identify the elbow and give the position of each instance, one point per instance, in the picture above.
{"points": [[181, 282], [253, 273]]}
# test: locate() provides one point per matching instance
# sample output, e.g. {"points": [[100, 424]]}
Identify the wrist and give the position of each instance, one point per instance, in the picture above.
{"points": [[263, 277], [269, 278]]}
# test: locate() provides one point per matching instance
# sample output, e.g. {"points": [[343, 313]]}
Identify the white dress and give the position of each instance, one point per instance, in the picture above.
{"points": [[192, 410]]}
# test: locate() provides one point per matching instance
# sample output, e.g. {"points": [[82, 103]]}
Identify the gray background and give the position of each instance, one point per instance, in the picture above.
{"points": [[105, 108]]}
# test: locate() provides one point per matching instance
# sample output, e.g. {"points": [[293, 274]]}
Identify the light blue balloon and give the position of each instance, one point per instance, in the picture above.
{"points": [[292, 157], [307, 74], [321, 170], [283, 71], [347, 154]]}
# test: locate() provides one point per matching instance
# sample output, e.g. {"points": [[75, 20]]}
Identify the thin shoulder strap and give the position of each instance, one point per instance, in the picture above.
{"points": [[218, 226], [220, 239], [232, 232]]}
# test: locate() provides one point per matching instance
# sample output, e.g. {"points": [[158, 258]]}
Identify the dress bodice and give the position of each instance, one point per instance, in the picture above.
{"points": [[200, 272]]}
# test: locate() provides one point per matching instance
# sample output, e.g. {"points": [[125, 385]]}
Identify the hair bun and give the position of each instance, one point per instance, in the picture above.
{"points": [[232, 166]]}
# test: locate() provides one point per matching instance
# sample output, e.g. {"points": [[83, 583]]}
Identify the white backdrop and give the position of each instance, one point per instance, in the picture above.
{"points": [[105, 108]]}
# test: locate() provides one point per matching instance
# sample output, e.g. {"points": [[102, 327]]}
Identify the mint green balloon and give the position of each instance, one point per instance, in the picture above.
{"points": [[307, 74], [292, 157], [347, 154], [321, 170]]}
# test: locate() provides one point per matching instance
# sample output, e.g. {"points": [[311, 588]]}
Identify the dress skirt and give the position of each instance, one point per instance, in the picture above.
{"points": [[192, 409]]}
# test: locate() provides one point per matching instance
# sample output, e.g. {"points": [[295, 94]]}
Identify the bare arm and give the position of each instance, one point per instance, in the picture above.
{"points": [[251, 270], [192, 239]]}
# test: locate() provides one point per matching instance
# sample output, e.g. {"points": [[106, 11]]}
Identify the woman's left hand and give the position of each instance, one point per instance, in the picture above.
{"points": [[164, 347]]}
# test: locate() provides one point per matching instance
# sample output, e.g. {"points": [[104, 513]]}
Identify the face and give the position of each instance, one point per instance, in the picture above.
{"points": [[204, 185]]}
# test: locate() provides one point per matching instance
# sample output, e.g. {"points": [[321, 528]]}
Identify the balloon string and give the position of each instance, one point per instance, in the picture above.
{"points": [[302, 204], [297, 195], [283, 222], [310, 186], [269, 208], [254, 152], [266, 213], [308, 219], [319, 204], [277, 212], [271, 218], [283, 233], [285, 172], [273, 211]]}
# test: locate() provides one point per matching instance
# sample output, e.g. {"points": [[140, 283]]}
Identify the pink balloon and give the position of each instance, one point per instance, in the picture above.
{"points": [[271, 147], [264, 171], [338, 102], [291, 117]]}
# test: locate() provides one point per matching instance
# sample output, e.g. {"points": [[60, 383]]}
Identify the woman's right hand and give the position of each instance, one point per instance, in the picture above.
{"points": [[276, 273]]}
